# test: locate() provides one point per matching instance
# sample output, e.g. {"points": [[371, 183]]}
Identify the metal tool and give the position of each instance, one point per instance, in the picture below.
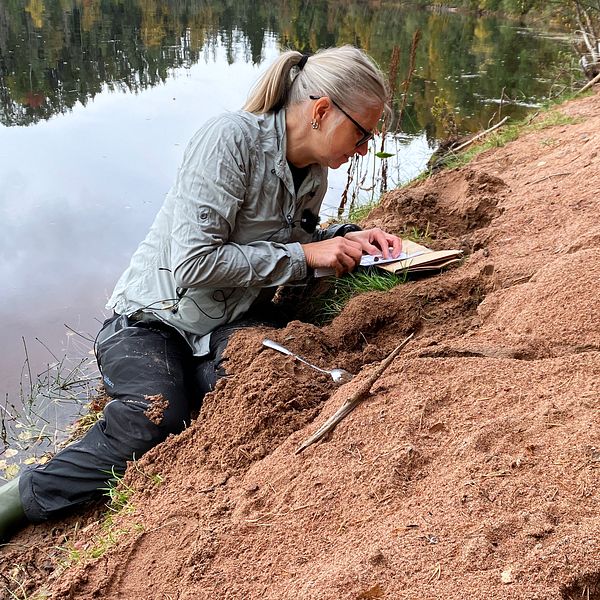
{"points": [[338, 375]]}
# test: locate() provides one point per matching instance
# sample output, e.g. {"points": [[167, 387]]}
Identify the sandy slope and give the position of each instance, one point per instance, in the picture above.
{"points": [[470, 472]]}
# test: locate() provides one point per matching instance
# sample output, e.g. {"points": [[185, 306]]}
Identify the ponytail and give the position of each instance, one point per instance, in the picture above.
{"points": [[273, 88]]}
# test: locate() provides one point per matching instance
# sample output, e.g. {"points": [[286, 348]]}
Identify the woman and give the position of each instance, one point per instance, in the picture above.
{"points": [[239, 221]]}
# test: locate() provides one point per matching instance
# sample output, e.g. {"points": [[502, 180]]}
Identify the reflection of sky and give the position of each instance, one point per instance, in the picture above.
{"points": [[78, 193]]}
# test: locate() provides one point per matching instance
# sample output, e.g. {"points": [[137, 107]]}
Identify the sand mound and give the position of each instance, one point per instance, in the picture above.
{"points": [[449, 205]]}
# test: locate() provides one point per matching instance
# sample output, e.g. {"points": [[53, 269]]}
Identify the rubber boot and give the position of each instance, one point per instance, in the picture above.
{"points": [[12, 516]]}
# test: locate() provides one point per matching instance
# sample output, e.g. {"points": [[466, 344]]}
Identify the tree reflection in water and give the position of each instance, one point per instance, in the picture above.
{"points": [[54, 55]]}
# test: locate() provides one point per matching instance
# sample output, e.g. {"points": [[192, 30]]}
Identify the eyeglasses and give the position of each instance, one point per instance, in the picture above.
{"points": [[366, 134]]}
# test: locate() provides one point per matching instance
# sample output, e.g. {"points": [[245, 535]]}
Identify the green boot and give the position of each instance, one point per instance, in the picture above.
{"points": [[11, 510]]}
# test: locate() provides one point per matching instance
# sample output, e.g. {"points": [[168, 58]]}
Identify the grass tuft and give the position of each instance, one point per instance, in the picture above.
{"points": [[359, 282], [119, 503], [118, 493], [419, 236], [360, 212]]}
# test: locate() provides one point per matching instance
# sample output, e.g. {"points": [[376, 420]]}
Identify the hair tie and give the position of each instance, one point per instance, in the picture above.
{"points": [[302, 61]]}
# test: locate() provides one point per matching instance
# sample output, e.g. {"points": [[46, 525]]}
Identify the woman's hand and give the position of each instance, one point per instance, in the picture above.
{"points": [[377, 242], [339, 253]]}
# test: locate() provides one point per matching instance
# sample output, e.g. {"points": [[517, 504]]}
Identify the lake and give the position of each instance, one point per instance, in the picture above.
{"points": [[98, 100]]}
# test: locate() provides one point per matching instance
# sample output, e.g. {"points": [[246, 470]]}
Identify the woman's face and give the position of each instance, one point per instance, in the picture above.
{"points": [[342, 130]]}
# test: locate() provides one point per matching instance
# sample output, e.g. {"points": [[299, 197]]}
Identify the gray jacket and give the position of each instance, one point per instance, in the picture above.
{"points": [[229, 227]]}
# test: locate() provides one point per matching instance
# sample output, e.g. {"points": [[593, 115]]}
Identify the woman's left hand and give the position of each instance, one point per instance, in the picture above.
{"points": [[377, 242]]}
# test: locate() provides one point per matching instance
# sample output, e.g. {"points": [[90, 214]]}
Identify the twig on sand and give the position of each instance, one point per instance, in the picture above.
{"points": [[548, 177], [437, 573], [351, 403]]}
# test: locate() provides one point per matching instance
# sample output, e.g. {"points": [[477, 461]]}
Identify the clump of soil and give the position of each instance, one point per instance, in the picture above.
{"points": [[156, 408], [469, 472]]}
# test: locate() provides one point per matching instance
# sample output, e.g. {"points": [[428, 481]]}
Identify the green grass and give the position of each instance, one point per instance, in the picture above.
{"points": [[118, 493], [119, 502], [414, 234], [119, 496], [358, 213], [353, 284]]}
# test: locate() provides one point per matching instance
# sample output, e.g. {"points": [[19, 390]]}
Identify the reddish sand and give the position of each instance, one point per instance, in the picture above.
{"points": [[469, 473]]}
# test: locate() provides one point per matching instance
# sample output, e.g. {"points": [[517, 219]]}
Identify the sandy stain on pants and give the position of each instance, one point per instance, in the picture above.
{"points": [[156, 409]]}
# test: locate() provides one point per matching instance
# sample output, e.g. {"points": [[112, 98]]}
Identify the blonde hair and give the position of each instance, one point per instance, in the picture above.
{"points": [[345, 74]]}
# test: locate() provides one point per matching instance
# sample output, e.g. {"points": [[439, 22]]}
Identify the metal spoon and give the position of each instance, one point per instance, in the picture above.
{"points": [[338, 375]]}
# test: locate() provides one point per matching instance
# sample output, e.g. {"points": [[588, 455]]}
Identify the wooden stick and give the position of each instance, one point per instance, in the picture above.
{"points": [[480, 135], [589, 84], [351, 403]]}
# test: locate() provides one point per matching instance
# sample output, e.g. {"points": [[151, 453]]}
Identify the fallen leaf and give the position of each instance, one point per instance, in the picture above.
{"points": [[11, 472], [10, 452]]}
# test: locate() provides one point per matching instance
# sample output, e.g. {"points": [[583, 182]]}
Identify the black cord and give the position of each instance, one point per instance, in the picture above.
{"points": [[308, 221]]}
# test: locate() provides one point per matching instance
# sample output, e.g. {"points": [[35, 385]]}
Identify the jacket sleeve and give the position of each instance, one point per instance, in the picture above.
{"points": [[210, 189]]}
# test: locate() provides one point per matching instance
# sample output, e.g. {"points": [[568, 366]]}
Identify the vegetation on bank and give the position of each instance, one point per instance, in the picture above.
{"points": [[508, 133], [564, 8]]}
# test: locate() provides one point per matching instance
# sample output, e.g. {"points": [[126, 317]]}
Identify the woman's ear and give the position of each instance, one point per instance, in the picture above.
{"points": [[320, 108]]}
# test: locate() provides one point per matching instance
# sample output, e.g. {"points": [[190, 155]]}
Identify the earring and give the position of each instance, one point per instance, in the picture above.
{"points": [[314, 124]]}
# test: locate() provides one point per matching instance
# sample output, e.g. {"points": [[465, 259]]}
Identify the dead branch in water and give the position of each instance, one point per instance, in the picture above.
{"points": [[589, 84], [442, 156], [480, 135]]}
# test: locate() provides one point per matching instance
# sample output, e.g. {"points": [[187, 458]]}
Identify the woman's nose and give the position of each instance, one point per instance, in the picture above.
{"points": [[362, 149]]}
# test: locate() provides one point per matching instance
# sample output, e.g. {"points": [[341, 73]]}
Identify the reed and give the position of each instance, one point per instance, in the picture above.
{"points": [[358, 167]]}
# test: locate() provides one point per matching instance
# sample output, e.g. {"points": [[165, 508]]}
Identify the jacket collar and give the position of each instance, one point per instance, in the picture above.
{"points": [[282, 170]]}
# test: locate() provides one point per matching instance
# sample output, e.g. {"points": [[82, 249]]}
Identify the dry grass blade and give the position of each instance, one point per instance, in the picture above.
{"points": [[358, 396], [409, 75]]}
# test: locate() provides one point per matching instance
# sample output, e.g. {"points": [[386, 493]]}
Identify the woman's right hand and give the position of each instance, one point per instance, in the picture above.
{"points": [[338, 253]]}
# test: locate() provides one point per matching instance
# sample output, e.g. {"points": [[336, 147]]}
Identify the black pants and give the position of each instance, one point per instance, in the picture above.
{"points": [[155, 382]]}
